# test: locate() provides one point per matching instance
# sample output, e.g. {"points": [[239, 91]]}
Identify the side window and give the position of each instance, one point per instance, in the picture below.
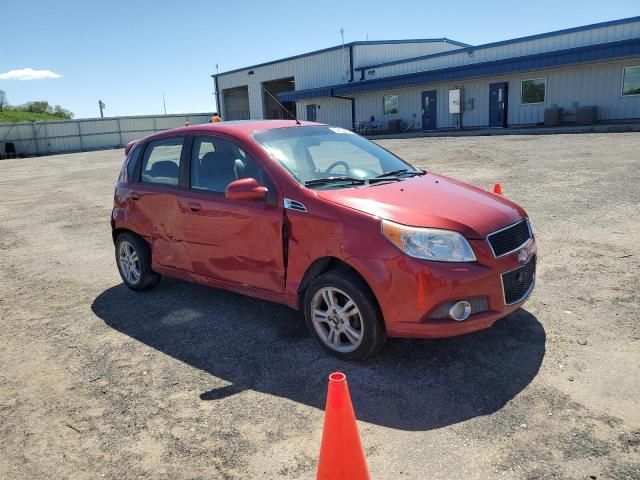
{"points": [[390, 104], [217, 162], [533, 91], [631, 81], [161, 162]]}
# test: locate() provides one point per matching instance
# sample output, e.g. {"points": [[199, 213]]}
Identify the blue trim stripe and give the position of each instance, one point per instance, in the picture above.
{"points": [[570, 56], [470, 48], [351, 44]]}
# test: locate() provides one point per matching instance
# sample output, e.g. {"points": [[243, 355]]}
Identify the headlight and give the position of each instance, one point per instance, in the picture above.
{"points": [[429, 243]]}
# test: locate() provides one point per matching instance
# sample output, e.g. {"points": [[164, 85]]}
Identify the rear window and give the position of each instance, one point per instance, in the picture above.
{"points": [[132, 163], [161, 162]]}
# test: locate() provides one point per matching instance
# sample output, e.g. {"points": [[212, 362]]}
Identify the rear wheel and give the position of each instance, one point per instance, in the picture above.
{"points": [[134, 262], [343, 317]]}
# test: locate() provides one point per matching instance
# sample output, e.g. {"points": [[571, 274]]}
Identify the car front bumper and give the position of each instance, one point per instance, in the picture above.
{"points": [[411, 290]]}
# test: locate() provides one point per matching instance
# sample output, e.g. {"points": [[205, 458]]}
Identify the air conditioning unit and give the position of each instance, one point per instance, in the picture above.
{"points": [[586, 115], [396, 125], [552, 117]]}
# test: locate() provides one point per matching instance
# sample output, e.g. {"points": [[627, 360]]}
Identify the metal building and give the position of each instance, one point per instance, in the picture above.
{"points": [[579, 75]]}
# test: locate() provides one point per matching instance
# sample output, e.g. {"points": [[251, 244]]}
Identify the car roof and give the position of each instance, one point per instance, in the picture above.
{"points": [[236, 128]]}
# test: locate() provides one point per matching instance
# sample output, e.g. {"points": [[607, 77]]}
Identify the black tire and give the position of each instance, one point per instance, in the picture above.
{"points": [[147, 278], [373, 332]]}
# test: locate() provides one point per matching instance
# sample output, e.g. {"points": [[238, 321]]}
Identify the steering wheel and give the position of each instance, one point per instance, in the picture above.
{"points": [[337, 164]]}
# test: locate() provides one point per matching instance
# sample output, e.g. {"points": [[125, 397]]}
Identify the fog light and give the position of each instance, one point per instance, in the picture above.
{"points": [[460, 311]]}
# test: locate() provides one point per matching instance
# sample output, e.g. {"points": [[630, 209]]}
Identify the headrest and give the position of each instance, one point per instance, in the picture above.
{"points": [[165, 168]]}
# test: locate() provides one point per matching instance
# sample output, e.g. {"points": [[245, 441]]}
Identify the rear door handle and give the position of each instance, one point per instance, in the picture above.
{"points": [[194, 207], [134, 196]]}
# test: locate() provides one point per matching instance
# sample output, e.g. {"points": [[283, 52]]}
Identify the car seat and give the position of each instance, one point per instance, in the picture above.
{"points": [[163, 169], [216, 171]]}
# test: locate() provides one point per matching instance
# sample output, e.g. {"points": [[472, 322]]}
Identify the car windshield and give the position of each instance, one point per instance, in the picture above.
{"points": [[331, 157]]}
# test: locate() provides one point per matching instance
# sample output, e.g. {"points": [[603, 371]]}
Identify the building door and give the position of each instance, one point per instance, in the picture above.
{"points": [[498, 104], [429, 110], [311, 113]]}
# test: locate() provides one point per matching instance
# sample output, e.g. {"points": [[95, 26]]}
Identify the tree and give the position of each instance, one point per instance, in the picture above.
{"points": [[58, 111], [41, 106], [3, 100]]}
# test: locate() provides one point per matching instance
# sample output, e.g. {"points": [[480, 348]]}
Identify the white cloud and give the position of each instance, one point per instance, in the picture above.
{"points": [[28, 74]]}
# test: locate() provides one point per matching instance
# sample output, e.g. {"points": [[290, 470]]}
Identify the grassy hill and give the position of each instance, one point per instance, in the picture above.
{"points": [[13, 116]]}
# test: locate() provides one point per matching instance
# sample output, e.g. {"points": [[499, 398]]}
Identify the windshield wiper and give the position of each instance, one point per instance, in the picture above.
{"points": [[401, 171], [325, 181]]}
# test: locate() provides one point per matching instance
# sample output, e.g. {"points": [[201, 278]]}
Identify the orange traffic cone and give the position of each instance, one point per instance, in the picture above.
{"points": [[341, 453], [497, 189]]}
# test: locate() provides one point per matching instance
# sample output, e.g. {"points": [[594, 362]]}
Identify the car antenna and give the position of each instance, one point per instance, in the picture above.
{"points": [[283, 107]]}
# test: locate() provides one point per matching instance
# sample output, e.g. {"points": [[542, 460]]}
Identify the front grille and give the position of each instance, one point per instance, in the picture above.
{"points": [[510, 238], [478, 305], [518, 283]]}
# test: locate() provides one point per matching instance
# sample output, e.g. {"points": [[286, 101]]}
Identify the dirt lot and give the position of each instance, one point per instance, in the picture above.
{"points": [[188, 382]]}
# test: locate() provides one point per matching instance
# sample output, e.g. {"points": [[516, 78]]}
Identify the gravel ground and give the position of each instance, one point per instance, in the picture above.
{"points": [[188, 382]]}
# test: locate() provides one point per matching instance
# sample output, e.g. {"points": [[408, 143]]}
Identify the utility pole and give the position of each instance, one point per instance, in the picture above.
{"points": [[343, 55], [101, 105], [164, 104], [216, 95]]}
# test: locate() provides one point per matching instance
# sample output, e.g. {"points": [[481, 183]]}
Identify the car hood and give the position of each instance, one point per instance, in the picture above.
{"points": [[431, 200]]}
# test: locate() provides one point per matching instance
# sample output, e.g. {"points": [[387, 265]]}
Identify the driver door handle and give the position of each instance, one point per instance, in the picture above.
{"points": [[195, 207]]}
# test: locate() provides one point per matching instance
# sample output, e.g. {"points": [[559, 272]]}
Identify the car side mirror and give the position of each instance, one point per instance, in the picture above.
{"points": [[245, 189]]}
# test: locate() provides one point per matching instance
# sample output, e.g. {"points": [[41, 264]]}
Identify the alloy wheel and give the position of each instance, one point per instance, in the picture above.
{"points": [[337, 319], [129, 262]]}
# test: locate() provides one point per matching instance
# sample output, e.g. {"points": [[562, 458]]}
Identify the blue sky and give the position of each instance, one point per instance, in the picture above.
{"points": [[128, 53]]}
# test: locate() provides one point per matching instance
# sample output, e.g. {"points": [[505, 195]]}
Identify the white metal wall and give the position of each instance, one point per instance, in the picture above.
{"points": [[588, 85], [37, 138], [546, 44], [365, 55], [325, 68], [334, 111]]}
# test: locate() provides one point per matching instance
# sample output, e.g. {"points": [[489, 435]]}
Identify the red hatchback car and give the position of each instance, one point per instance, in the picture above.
{"points": [[323, 220]]}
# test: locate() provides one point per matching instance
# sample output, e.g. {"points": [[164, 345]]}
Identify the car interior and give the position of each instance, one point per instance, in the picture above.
{"points": [[218, 162]]}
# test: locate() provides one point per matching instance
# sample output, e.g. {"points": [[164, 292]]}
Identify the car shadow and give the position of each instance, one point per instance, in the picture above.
{"points": [[258, 345]]}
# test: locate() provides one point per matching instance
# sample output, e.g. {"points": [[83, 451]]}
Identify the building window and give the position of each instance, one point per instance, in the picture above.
{"points": [[631, 81], [390, 104], [534, 91]]}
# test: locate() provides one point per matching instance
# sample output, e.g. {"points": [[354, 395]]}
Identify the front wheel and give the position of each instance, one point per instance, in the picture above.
{"points": [[343, 317], [134, 262]]}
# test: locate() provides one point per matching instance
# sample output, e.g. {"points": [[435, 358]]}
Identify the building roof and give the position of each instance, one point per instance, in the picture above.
{"points": [[472, 48], [576, 55], [350, 44]]}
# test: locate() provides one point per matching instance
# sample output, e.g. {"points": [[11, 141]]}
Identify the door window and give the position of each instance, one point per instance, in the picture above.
{"points": [[216, 162], [161, 162]]}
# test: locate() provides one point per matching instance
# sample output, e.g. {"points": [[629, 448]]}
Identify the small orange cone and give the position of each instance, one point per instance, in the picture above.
{"points": [[497, 189], [341, 453]]}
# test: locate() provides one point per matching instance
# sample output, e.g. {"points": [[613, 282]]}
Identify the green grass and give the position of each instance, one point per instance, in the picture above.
{"points": [[13, 116]]}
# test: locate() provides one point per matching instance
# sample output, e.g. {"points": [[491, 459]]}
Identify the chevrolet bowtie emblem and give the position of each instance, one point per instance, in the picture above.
{"points": [[522, 255]]}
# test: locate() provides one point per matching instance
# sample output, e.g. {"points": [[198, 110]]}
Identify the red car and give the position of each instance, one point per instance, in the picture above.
{"points": [[323, 220]]}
